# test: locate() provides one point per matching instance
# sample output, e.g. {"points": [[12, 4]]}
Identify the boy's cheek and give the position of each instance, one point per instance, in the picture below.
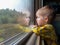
{"points": [[38, 22]]}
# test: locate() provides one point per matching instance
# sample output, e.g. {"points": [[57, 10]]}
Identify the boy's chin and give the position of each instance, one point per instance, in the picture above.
{"points": [[40, 25]]}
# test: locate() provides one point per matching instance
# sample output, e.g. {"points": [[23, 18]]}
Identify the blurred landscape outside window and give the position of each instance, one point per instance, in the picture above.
{"points": [[12, 15]]}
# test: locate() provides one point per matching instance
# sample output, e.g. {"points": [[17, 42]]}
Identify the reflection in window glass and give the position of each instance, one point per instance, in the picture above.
{"points": [[14, 13]]}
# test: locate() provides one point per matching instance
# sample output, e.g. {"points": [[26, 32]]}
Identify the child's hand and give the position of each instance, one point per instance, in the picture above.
{"points": [[33, 26], [36, 31]]}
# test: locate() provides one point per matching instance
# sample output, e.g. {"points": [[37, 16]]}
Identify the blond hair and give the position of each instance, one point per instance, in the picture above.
{"points": [[46, 11]]}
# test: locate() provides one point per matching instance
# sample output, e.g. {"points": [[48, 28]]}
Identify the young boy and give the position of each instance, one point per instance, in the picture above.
{"points": [[44, 29]]}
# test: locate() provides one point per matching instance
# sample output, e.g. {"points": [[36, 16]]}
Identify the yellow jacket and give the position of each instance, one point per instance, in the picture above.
{"points": [[47, 33]]}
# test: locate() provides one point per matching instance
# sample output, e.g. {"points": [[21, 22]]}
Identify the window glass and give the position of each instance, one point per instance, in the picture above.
{"points": [[14, 13]]}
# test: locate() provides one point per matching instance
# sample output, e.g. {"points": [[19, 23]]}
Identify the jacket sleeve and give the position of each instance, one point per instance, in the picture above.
{"points": [[48, 32]]}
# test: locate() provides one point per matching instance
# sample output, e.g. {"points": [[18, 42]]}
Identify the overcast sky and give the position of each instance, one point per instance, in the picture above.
{"points": [[16, 4]]}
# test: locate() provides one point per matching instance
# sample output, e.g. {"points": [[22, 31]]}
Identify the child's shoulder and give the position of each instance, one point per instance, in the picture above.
{"points": [[49, 26]]}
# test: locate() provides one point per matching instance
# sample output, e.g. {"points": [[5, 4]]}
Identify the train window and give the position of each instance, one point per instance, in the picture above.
{"points": [[14, 13]]}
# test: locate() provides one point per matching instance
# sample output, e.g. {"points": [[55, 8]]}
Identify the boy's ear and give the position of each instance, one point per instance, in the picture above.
{"points": [[46, 19]]}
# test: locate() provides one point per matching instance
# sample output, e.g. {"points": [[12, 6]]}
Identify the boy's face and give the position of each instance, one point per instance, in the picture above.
{"points": [[41, 20]]}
